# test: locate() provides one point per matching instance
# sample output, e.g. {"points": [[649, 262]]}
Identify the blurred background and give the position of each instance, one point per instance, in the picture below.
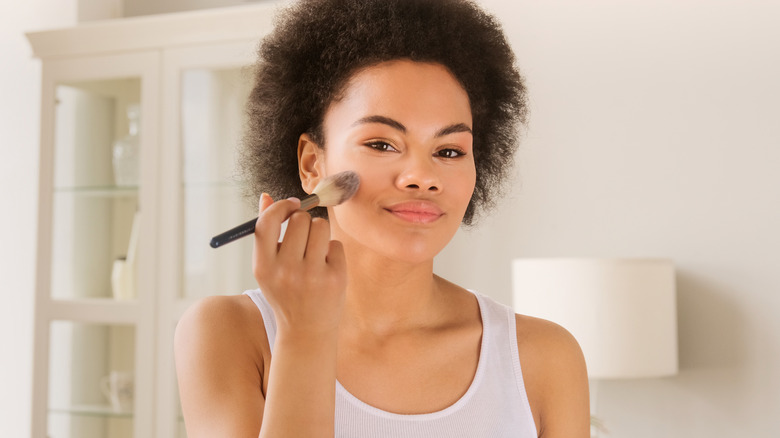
{"points": [[653, 133]]}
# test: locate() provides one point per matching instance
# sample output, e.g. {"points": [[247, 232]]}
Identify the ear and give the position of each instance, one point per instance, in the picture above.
{"points": [[311, 159]]}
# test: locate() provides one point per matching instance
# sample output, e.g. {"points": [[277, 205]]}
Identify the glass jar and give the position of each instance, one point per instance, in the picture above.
{"points": [[126, 157]]}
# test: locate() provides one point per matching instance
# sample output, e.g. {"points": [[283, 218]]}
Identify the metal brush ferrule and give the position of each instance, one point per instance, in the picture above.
{"points": [[310, 202]]}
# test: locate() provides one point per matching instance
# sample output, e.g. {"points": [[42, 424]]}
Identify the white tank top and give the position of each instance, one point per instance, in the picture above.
{"points": [[495, 404]]}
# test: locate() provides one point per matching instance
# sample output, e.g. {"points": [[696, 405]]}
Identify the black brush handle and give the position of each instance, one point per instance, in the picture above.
{"points": [[248, 227], [234, 233]]}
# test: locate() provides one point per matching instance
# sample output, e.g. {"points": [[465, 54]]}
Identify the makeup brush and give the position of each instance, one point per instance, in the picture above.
{"points": [[331, 191]]}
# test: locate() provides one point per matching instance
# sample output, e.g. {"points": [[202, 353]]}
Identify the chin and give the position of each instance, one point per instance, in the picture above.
{"points": [[417, 249]]}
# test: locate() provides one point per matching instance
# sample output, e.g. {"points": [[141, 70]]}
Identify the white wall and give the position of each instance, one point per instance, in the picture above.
{"points": [[655, 131], [19, 118]]}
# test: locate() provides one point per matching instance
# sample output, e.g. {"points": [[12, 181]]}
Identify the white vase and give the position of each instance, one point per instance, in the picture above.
{"points": [[123, 280]]}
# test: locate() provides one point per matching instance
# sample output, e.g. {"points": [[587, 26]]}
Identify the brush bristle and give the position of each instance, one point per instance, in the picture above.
{"points": [[337, 188]]}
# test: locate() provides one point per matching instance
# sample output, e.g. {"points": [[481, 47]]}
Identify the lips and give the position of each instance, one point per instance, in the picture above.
{"points": [[418, 212]]}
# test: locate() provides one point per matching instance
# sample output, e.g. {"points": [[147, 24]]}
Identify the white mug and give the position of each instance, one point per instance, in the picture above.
{"points": [[118, 389]]}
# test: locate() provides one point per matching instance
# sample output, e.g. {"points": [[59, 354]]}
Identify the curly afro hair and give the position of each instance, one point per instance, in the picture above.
{"points": [[317, 45]]}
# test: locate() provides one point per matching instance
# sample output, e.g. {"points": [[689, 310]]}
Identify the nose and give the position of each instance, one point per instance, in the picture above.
{"points": [[419, 173]]}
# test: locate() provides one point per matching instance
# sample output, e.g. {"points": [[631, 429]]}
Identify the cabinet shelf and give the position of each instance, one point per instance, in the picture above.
{"points": [[107, 191], [103, 411], [96, 310]]}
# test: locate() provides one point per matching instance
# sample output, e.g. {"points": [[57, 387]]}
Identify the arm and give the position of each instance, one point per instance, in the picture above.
{"points": [[304, 281], [219, 369], [302, 388], [556, 378], [221, 379]]}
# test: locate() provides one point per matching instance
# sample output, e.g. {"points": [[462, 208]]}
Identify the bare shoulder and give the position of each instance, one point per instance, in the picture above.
{"points": [[546, 339], [222, 312], [230, 323], [221, 356], [555, 377]]}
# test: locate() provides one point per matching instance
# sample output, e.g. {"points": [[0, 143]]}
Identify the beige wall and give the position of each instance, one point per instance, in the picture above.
{"points": [[655, 131], [19, 117]]}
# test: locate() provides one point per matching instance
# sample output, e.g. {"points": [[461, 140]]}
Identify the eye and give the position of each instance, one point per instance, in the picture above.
{"points": [[381, 146], [450, 153]]}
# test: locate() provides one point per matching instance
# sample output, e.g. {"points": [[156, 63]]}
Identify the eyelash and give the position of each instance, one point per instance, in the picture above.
{"points": [[383, 146], [443, 153]]}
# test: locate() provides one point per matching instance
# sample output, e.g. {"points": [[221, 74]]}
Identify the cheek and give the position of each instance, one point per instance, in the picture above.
{"points": [[373, 182], [371, 175], [465, 184]]}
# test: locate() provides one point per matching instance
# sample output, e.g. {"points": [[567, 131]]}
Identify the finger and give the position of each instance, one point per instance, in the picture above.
{"points": [[336, 257], [265, 201], [319, 238], [269, 226], [295, 237]]}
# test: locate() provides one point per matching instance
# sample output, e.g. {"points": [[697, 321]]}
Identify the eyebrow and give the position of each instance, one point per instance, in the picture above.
{"points": [[447, 130], [453, 129]]}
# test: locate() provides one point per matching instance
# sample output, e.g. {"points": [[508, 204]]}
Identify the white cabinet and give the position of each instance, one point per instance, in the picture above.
{"points": [[124, 228]]}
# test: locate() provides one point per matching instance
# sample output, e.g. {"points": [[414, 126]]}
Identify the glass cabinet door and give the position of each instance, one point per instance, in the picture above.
{"points": [[205, 92], [212, 121], [95, 230], [204, 96], [94, 325]]}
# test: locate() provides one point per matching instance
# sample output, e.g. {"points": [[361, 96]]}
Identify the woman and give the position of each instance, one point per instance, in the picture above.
{"points": [[351, 334]]}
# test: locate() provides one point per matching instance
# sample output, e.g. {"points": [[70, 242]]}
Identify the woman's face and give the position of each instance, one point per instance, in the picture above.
{"points": [[405, 128]]}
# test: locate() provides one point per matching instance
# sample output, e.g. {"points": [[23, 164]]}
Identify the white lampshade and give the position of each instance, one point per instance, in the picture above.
{"points": [[622, 311]]}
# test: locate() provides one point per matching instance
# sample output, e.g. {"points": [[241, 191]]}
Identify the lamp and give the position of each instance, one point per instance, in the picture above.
{"points": [[621, 311]]}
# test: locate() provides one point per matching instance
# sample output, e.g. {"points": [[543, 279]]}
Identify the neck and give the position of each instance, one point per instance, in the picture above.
{"points": [[386, 296]]}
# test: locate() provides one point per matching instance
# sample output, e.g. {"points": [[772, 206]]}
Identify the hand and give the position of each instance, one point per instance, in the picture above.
{"points": [[303, 277]]}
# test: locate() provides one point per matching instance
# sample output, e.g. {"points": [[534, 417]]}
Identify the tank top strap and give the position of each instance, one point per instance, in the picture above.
{"points": [[269, 320], [503, 343]]}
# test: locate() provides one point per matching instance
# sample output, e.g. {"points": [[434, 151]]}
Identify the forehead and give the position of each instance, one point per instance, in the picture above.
{"points": [[404, 87]]}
